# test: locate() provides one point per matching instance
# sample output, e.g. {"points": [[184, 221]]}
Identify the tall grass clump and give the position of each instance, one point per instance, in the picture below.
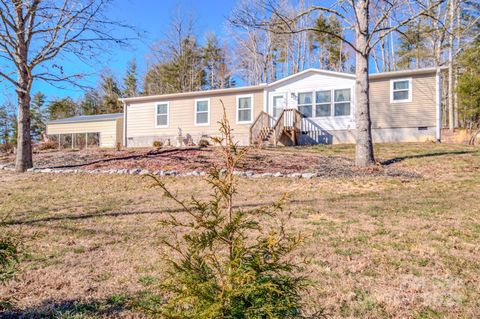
{"points": [[230, 262]]}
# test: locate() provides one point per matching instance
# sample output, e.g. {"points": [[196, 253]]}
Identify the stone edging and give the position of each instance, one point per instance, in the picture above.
{"points": [[173, 173]]}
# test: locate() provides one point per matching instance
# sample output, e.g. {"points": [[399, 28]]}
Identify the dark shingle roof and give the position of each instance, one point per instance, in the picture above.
{"points": [[88, 118]]}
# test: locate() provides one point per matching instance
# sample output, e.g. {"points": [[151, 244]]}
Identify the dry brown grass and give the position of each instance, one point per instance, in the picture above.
{"points": [[378, 246]]}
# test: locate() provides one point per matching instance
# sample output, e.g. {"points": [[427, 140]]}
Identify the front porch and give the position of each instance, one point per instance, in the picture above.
{"points": [[269, 131], [291, 128]]}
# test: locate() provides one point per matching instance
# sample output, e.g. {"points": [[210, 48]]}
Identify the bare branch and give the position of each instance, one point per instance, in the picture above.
{"points": [[400, 24], [9, 78], [245, 18]]}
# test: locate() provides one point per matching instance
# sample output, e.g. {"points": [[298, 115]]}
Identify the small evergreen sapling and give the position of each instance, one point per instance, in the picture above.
{"points": [[9, 253], [229, 262]]}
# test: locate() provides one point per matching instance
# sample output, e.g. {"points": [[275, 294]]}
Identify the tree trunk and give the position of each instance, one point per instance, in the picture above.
{"points": [[24, 142], [364, 146], [392, 47], [451, 114], [456, 68]]}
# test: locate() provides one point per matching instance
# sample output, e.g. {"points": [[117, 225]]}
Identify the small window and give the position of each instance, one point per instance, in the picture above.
{"points": [[202, 112], [323, 103], [305, 105], [342, 102], [162, 115], [244, 109], [401, 90]]}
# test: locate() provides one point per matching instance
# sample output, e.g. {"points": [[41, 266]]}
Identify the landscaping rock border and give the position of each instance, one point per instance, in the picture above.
{"points": [[173, 173]]}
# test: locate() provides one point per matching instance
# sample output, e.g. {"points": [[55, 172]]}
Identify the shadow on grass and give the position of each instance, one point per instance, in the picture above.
{"points": [[112, 307], [145, 302], [129, 213], [152, 153], [402, 158]]}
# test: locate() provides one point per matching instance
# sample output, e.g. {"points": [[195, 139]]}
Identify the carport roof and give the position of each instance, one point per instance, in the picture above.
{"points": [[88, 118]]}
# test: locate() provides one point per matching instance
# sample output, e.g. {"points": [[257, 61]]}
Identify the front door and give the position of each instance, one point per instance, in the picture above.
{"points": [[278, 104]]}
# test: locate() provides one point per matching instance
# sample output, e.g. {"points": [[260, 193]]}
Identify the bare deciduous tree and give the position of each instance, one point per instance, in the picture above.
{"points": [[175, 61], [365, 32], [253, 52], [34, 37], [263, 55]]}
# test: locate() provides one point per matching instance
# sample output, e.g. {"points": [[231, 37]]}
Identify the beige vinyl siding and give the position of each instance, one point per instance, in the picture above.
{"points": [[107, 129], [419, 112], [141, 118]]}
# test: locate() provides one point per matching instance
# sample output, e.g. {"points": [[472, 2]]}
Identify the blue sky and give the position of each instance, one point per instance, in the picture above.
{"points": [[151, 16]]}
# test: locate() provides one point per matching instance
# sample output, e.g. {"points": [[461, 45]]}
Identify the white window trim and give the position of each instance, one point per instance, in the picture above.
{"points": [[410, 89], [208, 112], [252, 108], [156, 115], [312, 92], [333, 103]]}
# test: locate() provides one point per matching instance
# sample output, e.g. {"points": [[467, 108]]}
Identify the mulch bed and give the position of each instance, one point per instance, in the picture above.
{"points": [[202, 159]]}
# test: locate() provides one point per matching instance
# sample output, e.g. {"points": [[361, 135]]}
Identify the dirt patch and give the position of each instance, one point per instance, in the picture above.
{"points": [[182, 160]]}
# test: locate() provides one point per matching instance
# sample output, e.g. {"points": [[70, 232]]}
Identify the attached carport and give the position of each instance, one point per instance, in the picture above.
{"points": [[105, 130]]}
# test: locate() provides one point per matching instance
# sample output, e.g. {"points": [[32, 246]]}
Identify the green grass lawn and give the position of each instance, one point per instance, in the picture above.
{"points": [[375, 247]]}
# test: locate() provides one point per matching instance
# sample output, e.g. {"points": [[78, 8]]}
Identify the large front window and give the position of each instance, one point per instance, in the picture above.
{"points": [[328, 103], [342, 102], [305, 105], [323, 103], [202, 112], [244, 109]]}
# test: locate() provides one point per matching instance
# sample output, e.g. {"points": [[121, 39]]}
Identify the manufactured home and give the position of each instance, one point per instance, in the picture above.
{"points": [[311, 107]]}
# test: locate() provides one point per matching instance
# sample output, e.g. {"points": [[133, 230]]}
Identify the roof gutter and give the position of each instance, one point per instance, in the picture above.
{"points": [[79, 121], [193, 94], [392, 74]]}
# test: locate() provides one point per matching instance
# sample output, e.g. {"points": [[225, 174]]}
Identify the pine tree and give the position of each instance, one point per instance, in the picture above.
{"points": [[468, 88], [412, 52], [183, 72], [4, 128], [5, 124], [188, 66], [9, 253], [38, 116], [153, 82], [228, 262], [91, 103], [8, 123], [330, 51], [14, 133], [214, 58], [62, 108], [111, 94], [130, 81]]}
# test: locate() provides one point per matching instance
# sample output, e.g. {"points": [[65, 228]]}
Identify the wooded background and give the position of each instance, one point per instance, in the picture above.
{"points": [[184, 60]]}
